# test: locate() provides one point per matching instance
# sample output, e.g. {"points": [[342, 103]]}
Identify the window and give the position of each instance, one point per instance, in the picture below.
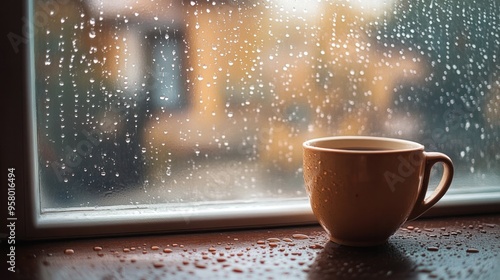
{"points": [[190, 114]]}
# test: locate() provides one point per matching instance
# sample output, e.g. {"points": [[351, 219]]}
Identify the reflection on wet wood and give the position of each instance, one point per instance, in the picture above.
{"points": [[460, 247]]}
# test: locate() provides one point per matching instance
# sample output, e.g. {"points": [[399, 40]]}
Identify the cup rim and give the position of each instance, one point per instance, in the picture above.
{"points": [[406, 145]]}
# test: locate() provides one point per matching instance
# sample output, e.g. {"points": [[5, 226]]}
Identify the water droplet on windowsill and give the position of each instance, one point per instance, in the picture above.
{"points": [[300, 236]]}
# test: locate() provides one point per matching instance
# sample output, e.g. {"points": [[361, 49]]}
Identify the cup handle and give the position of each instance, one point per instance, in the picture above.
{"points": [[423, 204]]}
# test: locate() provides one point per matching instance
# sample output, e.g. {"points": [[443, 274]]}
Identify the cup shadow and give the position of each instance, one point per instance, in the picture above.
{"points": [[343, 262]]}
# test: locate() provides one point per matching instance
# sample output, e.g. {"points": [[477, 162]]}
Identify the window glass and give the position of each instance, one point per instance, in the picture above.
{"points": [[181, 102]]}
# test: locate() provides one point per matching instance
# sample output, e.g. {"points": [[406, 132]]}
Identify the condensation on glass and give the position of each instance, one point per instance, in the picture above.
{"points": [[182, 102]]}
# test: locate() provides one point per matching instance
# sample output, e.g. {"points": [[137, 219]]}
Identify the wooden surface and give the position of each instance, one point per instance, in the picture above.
{"points": [[444, 248]]}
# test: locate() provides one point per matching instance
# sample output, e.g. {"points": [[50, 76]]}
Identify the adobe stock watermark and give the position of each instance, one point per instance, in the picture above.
{"points": [[453, 119], [40, 19], [74, 156], [406, 168]]}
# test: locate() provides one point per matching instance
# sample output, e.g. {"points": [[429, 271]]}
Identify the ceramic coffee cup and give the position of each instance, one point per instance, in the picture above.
{"points": [[362, 189]]}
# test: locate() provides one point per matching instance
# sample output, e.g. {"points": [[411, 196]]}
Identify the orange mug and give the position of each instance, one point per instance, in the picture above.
{"points": [[362, 189]]}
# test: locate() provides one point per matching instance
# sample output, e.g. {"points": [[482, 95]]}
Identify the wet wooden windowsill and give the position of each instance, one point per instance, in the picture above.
{"points": [[444, 248]]}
